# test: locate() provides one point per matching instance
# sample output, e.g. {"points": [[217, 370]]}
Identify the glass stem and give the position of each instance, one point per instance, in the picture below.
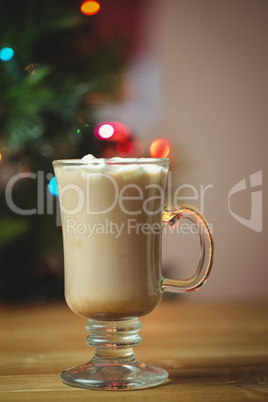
{"points": [[113, 341]]}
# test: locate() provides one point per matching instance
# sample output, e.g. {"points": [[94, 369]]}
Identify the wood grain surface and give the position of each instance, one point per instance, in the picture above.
{"points": [[212, 351]]}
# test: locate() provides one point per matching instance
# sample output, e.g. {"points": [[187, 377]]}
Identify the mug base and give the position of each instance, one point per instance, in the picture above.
{"points": [[105, 376], [114, 366]]}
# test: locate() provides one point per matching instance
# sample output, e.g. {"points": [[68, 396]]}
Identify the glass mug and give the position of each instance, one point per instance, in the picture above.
{"points": [[112, 213]]}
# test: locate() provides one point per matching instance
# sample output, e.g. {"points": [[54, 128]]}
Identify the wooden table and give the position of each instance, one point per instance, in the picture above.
{"points": [[212, 351]]}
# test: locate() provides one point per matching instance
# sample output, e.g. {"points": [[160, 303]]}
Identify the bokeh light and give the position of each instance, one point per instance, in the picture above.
{"points": [[113, 131], [6, 53], [121, 131], [124, 148], [106, 131], [160, 148], [52, 187], [90, 7]]}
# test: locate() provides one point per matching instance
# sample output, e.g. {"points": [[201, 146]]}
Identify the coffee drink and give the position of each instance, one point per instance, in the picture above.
{"points": [[111, 219]]}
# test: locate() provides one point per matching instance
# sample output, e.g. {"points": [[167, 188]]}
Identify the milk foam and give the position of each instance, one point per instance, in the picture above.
{"points": [[122, 165]]}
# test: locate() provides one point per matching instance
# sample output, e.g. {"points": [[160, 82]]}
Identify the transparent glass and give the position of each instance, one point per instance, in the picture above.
{"points": [[112, 214]]}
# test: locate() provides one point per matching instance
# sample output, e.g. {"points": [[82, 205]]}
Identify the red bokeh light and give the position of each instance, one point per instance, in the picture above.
{"points": [[124, 148], [160, 148]]}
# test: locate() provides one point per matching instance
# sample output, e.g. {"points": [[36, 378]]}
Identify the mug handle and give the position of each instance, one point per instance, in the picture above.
{"points": [[171, 217]]}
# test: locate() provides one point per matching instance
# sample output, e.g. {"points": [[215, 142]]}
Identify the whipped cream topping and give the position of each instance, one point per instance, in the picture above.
{"points": [[125, 165]]}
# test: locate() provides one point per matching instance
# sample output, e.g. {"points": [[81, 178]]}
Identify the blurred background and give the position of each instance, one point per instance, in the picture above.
{"points": [[184, 79]]}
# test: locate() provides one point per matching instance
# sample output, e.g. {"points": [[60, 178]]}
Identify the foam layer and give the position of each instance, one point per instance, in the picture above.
{"points": [[116, 165]]}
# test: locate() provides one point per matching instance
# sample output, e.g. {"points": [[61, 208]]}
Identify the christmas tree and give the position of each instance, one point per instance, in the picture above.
{"points": [[63, 66]]}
